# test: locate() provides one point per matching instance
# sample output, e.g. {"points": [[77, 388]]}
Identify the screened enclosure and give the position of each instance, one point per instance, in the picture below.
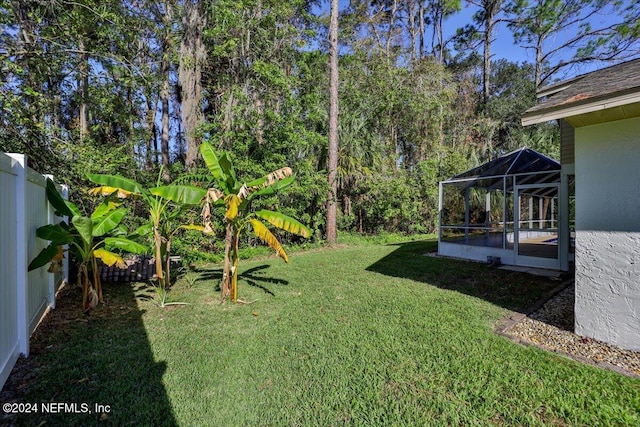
{"points": [[507, 209]]}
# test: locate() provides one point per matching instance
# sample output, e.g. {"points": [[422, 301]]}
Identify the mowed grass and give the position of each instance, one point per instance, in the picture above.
{"points": [[360, 335]]}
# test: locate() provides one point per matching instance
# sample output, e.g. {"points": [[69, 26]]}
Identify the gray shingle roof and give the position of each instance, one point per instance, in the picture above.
{"points": [[592, 86]]}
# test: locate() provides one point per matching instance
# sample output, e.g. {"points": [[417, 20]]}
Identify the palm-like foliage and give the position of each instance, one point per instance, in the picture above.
{"points": [[235, 197], [163, 221], [86, 239]]}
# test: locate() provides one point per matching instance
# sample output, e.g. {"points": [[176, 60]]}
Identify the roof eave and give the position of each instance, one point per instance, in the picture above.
{"points": [[578, 108]]}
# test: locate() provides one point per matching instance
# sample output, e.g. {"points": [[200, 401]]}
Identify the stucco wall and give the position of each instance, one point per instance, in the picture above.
{"points": [[607, 256]]}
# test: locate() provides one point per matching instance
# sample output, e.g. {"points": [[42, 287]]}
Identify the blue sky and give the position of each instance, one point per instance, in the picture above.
{"points": [[504, 45]]}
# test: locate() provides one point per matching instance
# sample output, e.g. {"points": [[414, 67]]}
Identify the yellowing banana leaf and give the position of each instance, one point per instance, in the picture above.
{"points": [[233, 202], [109, 258], [284, 222], [60, 255], [105, 190], [195, 227], [108, 222], [266, 236], [127, 186]]}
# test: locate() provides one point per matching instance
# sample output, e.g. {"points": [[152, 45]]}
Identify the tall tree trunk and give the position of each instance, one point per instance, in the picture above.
{"points": [[164, 135], [155, 144], [538, 72], [440, 39], [486, 69], [491, 9], [333, 125], [150, 133], [192, 56], [179, 135], [422, 30], [413, 31], [390, 31], [83, 88], [164, 95]]}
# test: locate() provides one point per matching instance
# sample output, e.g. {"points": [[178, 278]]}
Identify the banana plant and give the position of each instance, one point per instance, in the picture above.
{"points": [[85, 237], [164, 204], [235, 197]]}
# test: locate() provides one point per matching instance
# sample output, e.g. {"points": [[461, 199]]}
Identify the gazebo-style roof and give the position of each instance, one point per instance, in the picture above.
{"points": [[530, 166], [504, 209]]}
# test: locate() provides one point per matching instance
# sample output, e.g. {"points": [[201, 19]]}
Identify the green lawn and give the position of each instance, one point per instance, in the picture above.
{"points": [[359, 335]]}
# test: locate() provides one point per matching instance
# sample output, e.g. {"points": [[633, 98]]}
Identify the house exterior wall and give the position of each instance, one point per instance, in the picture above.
{"points": [[607, 172], [567, 143]]}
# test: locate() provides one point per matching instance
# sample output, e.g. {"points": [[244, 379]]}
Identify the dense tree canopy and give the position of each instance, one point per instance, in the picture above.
{"points": [[124, 87]]}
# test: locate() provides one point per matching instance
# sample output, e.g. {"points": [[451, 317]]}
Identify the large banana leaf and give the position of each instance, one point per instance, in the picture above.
{"points": [[55, 234], [108, 222], [103, 208], [212, 162], [105, 190], [284, 222], [265, 235], [84, 226], [109, 258], [181, 194], [116, 181], [44, 257], [63, 207], [125, 245]]}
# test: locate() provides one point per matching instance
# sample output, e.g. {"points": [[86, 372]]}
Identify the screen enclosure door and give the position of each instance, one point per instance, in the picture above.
{"points": [[535, 240]]}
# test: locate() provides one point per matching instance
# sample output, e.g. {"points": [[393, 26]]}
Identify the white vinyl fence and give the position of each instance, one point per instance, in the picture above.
{"points": [[24, 296]]}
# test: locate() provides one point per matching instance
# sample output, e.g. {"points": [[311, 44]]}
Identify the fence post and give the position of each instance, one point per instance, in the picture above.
{"points": [[65, 260], [51, 295], [20, 169]]}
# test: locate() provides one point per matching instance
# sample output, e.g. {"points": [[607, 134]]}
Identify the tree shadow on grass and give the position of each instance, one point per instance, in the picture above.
{"points": [[511, 290], [253, 277], [102, 358]]}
